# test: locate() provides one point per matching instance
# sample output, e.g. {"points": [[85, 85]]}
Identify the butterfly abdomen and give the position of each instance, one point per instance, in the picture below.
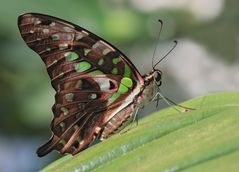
{"points": [[118, 121]]}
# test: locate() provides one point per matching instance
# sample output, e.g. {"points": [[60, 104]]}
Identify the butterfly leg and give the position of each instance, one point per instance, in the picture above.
{"points": [[97, 138], [134, 118], [170, 102]]}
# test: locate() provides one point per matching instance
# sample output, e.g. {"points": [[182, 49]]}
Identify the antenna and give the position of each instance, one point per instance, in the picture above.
{"points": [[175, 44], [161, 26]]}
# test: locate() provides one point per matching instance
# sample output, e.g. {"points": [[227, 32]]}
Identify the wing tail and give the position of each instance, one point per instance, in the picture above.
{"points": [[46, 148]]}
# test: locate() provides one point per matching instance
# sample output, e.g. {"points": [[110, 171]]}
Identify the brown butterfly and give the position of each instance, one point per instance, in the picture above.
{"points": [[98, 89]]}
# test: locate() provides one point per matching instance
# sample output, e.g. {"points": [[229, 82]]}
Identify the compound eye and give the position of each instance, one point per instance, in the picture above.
{"points": [[157, 76]]}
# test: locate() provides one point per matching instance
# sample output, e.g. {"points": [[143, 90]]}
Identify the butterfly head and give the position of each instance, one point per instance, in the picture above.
{"points": [[152, 82], [153, 78], [157, 74]]}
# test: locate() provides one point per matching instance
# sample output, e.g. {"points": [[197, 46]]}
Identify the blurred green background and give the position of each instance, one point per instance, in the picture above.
{"points": [[205, 60]]}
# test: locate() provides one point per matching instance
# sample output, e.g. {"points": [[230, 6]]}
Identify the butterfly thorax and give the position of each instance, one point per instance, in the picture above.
{"points": [[152, 81]]}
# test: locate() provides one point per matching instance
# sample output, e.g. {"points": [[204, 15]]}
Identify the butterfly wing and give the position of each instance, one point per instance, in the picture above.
{"points": [[93, 79]]}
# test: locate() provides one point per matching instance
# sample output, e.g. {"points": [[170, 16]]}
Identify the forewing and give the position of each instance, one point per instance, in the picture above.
{"points": [[91, 78]]}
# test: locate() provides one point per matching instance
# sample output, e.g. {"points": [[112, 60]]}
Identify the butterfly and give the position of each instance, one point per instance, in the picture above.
{"points": [[98, 89]]}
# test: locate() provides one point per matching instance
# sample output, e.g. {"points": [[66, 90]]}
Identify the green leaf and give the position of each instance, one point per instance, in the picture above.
{"points": [[204, 139]]}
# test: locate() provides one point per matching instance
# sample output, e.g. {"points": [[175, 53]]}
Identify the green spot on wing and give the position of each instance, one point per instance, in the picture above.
{"points": [[76, 127], [97, 44], [69, 37], [116, 60], [67, 29], [114, 71], [55, 37], [82, 66], [86, 51], [45, 30], [64, 110], [113, 98], [127, 82], [69, 97], [70, 56], [127, 71], [37, 22], [122, 89], [52, 24], [62, 124], [93, 96], [63, 46], [96, 72], [100, 62], [79, 36], [106, 51]]}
